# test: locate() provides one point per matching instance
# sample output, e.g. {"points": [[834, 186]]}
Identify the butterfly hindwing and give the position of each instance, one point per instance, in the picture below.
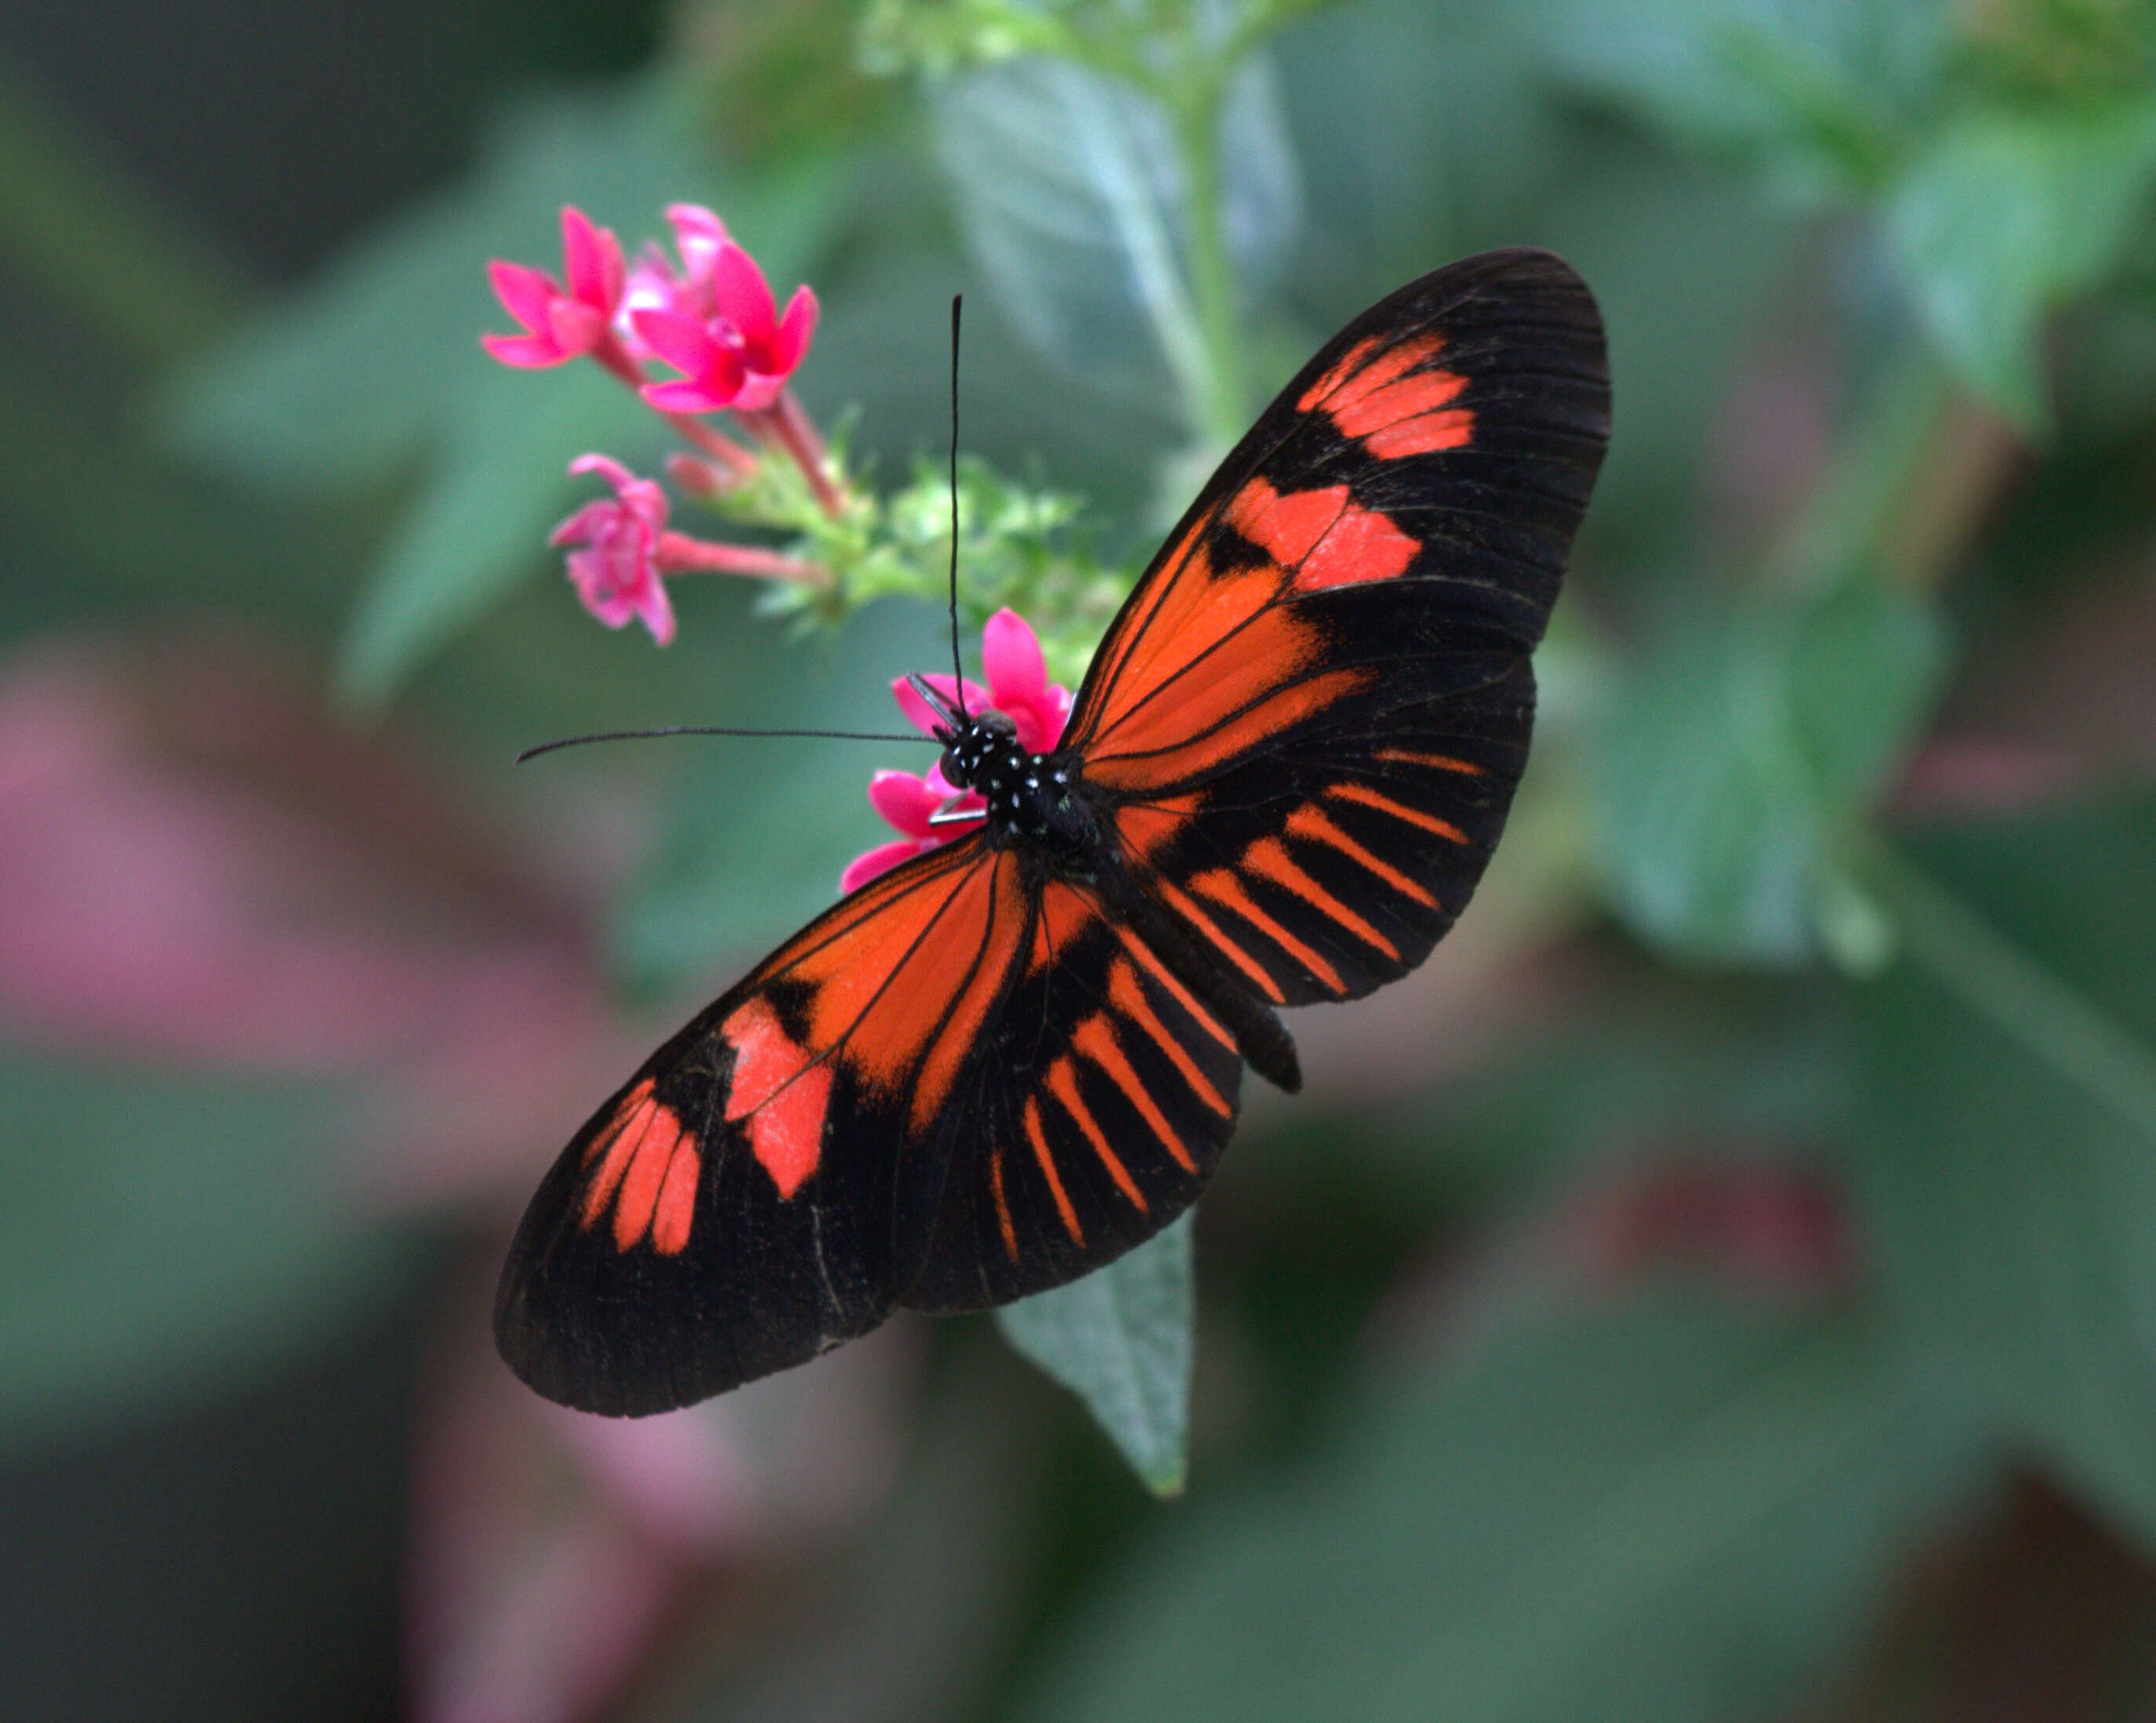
{"points": [[1107, 1095], [737, 1207]]}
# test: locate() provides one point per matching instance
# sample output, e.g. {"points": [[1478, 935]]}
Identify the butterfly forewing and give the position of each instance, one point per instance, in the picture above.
{"points": [[1310, 717], [1002, 1065]]}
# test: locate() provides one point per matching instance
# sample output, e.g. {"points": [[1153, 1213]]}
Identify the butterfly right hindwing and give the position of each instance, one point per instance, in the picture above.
{"points": [[1106, 1093]]}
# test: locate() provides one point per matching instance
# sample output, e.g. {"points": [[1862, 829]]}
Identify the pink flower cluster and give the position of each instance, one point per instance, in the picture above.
{"points": [[711, 316], [1019, 687]]}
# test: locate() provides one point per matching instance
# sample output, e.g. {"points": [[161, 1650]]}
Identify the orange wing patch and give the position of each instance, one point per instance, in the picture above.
{"points": [[1369, 797], [1269, 858], [647, 1173], [905, 981], [1363, 545], [1147, 826], [1065, 914], [1310, 822], [1046, 1157], [1096, 1040], [1394, 407], [1326, 538], [782, 1090], [1225, 889], [1063, 1084], [1128, 997]]}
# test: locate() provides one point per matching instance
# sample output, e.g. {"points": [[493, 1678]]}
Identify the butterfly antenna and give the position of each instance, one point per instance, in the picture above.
{"points": [[625, 736], [958, 674]]}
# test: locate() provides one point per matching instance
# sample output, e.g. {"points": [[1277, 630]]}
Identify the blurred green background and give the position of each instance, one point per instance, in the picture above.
{"points": [[1722, 1286]]}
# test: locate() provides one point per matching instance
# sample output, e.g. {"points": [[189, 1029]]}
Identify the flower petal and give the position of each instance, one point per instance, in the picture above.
{"points": [[685, 343], [905, 801], [740, 296], [758, 391], [1010, 655], [576, 328], [525, 293], [697, 397], [654, 610], [796, 330], [698, 234], [526, 353], [591, 257], [877, 862], [615, 474], [583, 525]]}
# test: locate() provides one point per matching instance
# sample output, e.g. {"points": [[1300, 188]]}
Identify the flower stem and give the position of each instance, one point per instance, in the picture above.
{"points": [[1221, 414], [784, 424], [720, 448], [679, 553]]}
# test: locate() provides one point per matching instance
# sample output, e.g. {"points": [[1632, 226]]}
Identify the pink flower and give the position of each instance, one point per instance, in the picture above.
{"points": [[616, 572], [654, 284], [720, 325], [561, 323], [1019, 687]]}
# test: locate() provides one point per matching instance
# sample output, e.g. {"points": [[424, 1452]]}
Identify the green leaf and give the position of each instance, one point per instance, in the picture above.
{"points": [[159, 1233], [1666, 1512], [500, 485], [1069, 188], [1736, 755], [2006, 215], [1819, 95], [351, 376], [2006, 1146], [1067, 191], [1121, 1340]]}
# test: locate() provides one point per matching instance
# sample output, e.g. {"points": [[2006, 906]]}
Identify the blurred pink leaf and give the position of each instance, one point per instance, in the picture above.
{"points": [[552, 1550]]}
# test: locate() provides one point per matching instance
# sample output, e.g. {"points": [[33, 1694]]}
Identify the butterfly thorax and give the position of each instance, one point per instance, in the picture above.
{"points": [[1032, 799]]}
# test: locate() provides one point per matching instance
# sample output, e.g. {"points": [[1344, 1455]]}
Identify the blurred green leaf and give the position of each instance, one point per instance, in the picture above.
{"points": [[1666, 1512], [1454, 135], [1736, 756], [1067, 189], [2006, 1147], [1072, 202], [1121, 1340], [161, 1232], [500, 483], [2006, 215], [376, 367], [1820, 96]]}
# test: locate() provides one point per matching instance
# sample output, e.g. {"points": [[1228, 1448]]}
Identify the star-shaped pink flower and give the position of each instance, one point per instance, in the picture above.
{"points": [[723, 329], [561, 323], [1019, 687], [616, 571]]}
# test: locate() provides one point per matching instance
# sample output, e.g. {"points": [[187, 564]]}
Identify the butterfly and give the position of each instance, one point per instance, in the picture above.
{"points": [[1015, 1056]]}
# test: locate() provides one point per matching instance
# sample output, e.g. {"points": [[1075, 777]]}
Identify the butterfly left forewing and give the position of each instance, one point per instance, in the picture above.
{"points": [[736, 1206]]}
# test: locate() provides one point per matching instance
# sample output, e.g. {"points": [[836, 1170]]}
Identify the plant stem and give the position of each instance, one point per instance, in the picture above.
{"points": [[1221, 414]]}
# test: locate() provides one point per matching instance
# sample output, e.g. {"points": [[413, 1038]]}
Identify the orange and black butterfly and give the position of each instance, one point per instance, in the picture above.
{"points": [[1015, 1056]]}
